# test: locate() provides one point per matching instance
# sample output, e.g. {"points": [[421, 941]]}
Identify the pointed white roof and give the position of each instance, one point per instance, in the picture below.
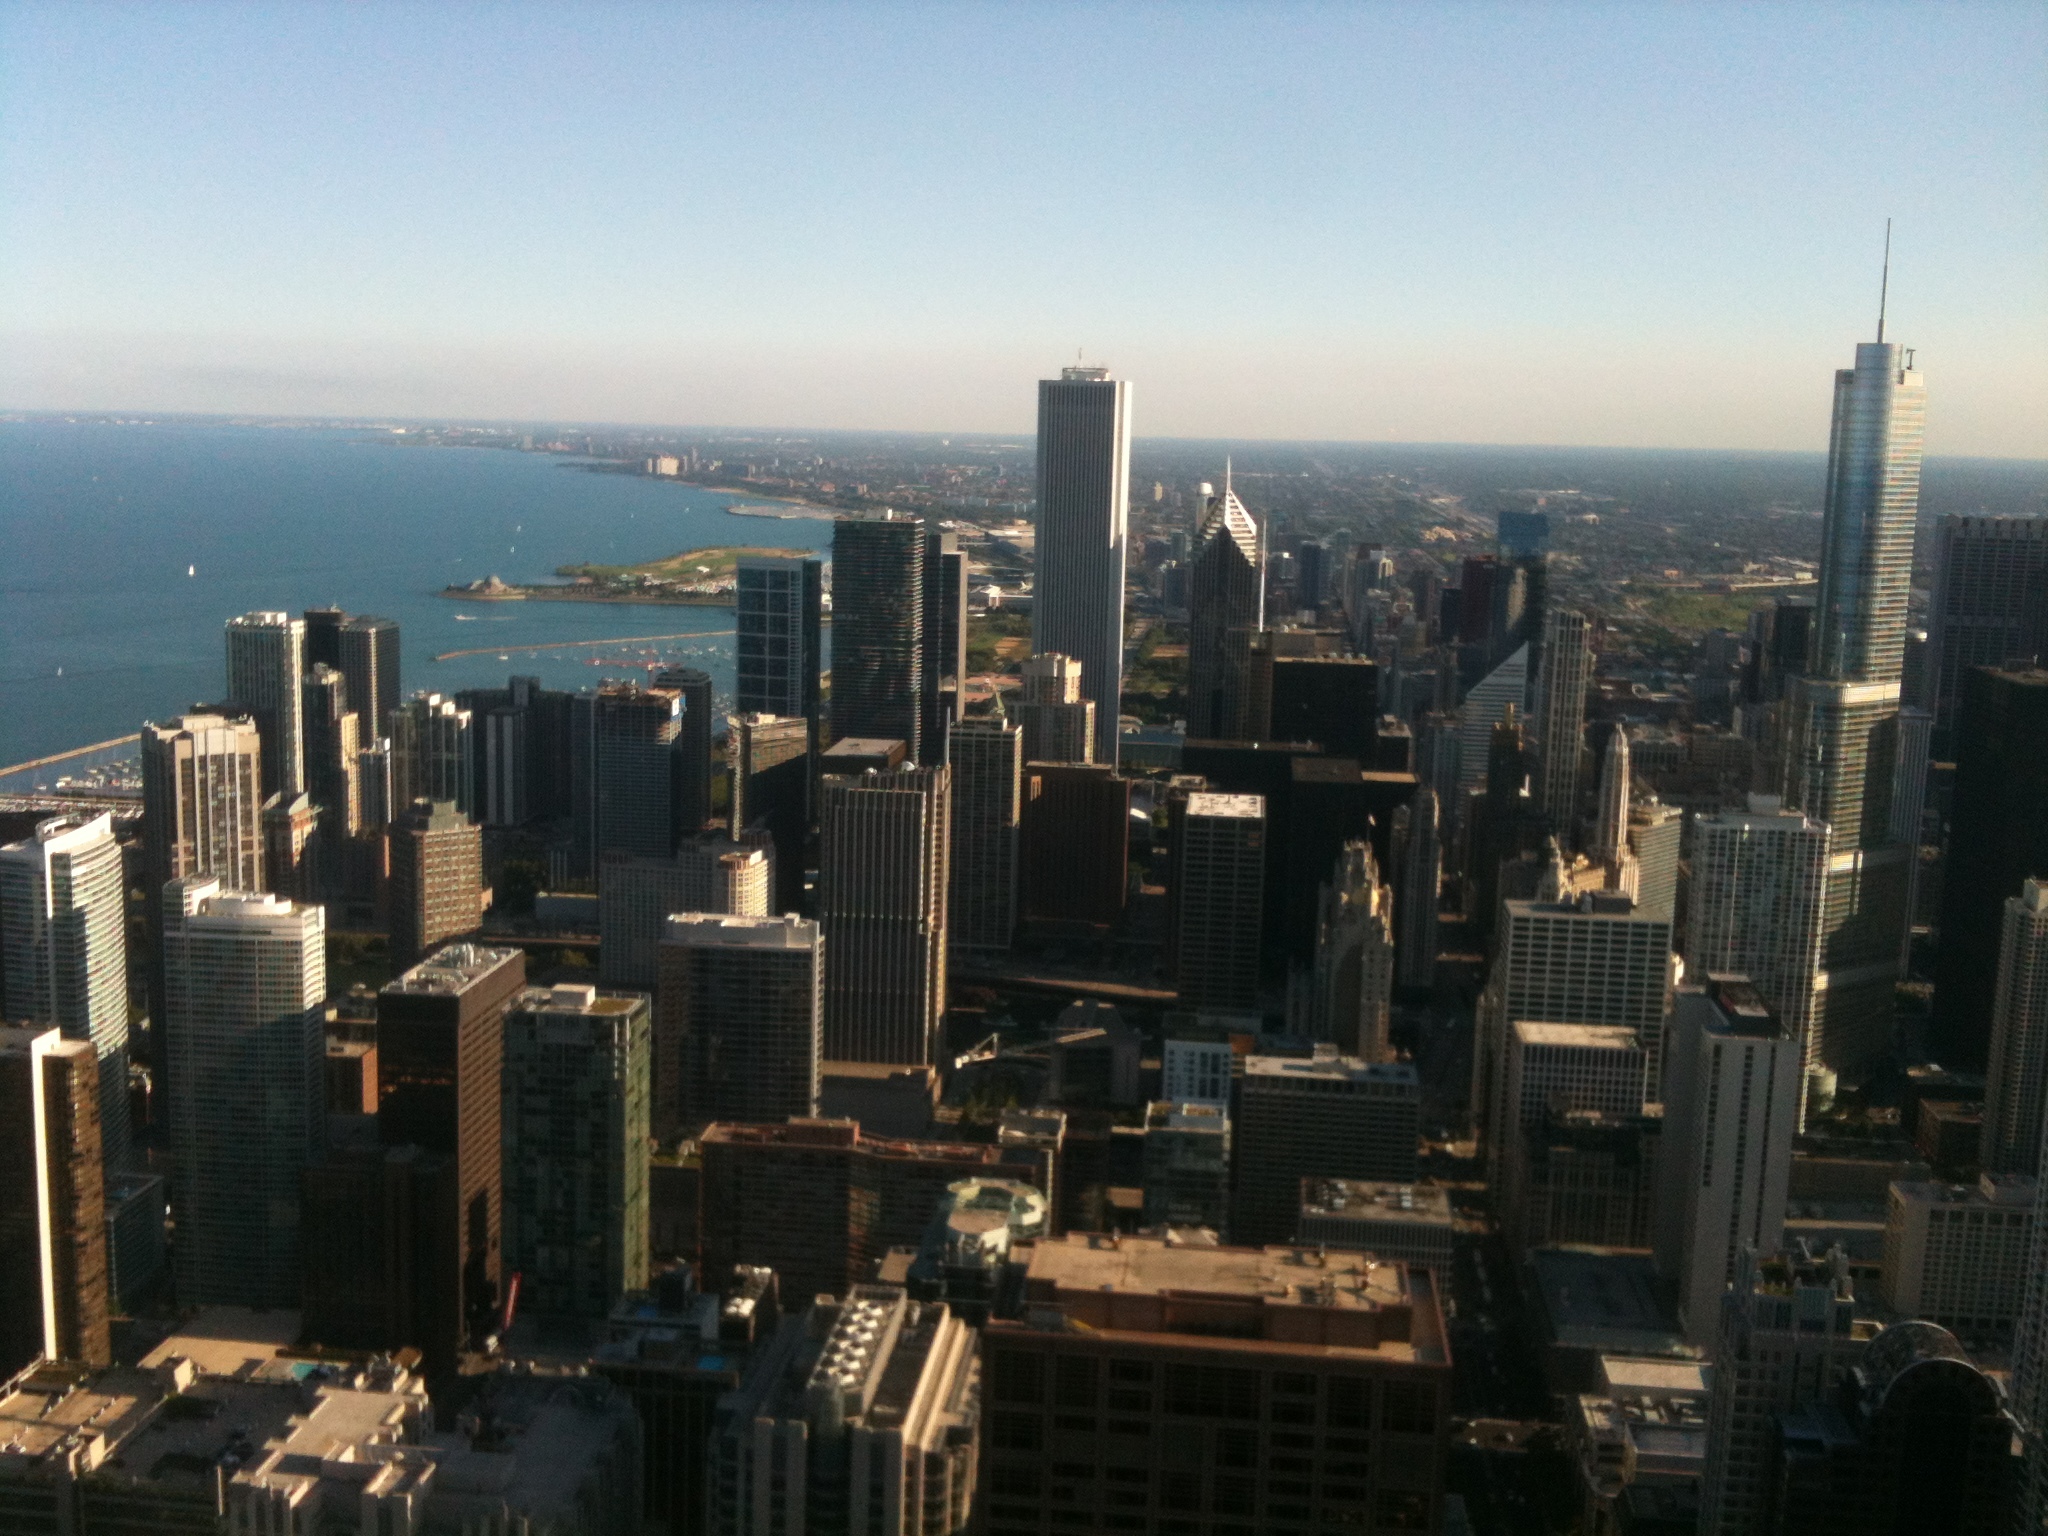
{"points": [[1226, 514]]}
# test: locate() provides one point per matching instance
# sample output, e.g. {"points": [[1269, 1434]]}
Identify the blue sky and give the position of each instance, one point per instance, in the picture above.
{"points": [[1572, 223]]}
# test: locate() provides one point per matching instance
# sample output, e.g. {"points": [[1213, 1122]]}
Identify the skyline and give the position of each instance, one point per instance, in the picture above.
{"points": [[1363, 224]]}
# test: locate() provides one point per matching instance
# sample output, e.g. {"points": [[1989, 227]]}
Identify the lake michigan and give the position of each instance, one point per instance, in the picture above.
{"points": [[101, 628]]}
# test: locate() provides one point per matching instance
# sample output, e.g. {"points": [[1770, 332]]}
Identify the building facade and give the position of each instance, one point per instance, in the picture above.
{"points": [[635, 898], [1226, 591], [54, 1279], [878, 641], [2016, 1082], [437, 879], [64, 951], [575, 1129], [884, 851], [987, 758], [1219, 871], [1084, 477], [245, 979], [738, 1020], [1316, 1117], [266, 674]]}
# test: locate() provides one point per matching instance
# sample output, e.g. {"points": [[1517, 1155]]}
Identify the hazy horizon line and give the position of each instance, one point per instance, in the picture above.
{"points": [[940, 433]]}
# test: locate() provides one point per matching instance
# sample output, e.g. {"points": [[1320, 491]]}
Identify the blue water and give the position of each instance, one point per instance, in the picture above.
{"points": [[99, 522]]}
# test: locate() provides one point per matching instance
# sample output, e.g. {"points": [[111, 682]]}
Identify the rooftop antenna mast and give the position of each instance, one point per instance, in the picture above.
{"points": [[1884, 286]]}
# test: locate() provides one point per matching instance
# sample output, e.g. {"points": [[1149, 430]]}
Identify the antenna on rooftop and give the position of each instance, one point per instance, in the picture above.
{"points": [[1885, 284]]}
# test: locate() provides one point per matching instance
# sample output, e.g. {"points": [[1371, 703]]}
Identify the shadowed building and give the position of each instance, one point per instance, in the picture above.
{"points": [[440, 1030], [1226, 591], [878, 641], [1074, 834], [53, 1235], [738, 1019]]}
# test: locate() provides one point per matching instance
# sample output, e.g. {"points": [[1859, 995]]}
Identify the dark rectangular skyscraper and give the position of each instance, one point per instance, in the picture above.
{"points": [[776, 610], [945, 639], [1998, 839], [439, 1029], [878, 648], [1084, 475], [1990, 604], [693, 747], [1227, 591]]}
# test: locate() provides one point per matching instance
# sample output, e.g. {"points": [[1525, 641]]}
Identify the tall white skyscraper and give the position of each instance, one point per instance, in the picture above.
{"points": [[64, 951], [1597, 959], [2016, 1085], [1610, 818], [246, 976], [1084, 479], [1844, 719], [1731, 1108], [266, 660], [1559, 709], [1758, 880]]}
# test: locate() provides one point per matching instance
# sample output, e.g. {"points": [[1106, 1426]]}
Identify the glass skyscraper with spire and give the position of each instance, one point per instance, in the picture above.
{"points": [[1844, 724]]}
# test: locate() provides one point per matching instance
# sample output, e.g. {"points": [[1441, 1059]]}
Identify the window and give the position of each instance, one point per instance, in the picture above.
{"points": [[1348, 1404], [1402, 1511], [1237, 1448], [1016, 1432], [1018, 1479], [1410, 1407], [1234, 1496], [1019, 1376], [1074, 1381], [1136, 1372], [1212, 1391]]}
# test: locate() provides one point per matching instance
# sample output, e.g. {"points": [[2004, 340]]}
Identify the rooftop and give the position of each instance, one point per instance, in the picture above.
{"points": [[1367, 1199], [454, 968], [1273, 1296], [709, 928], [565, 997], [1235, 807], [1612, 1037], [1330, 1068]]}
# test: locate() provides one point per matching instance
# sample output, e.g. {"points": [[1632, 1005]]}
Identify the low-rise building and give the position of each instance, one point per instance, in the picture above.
{"points": [[1401, 1223]]}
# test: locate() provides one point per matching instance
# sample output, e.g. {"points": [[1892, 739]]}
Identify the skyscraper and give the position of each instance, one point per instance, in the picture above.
{"points": [[437, 878], [1420, 871], [1758, 881], [1559, 710], [1325, 1116], [1560, 1070], [776, 612], [945, 640], [1506, 685], [869, 1405], [1731, 1106], [878, 641], [1998, 837], [53, 1233], [1990, 602], [576, 1090], [369, 660], [633, 768], [1594, 960], [1610, 817], [245, 977], [333, 740], [266, 660], [64, 951], [1219, 869], [2016, 1084], [987, 757], [693, 746], [1787, 1331], [1226, 591], [884, 849], [440, 1049], [1084, 478], [709, 873], [771, 793], [738, 1020], [433, 753], [1844, 724], [1350, 983], [1057, 722], [1073, 836], [202, 814], [293, 848]]}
